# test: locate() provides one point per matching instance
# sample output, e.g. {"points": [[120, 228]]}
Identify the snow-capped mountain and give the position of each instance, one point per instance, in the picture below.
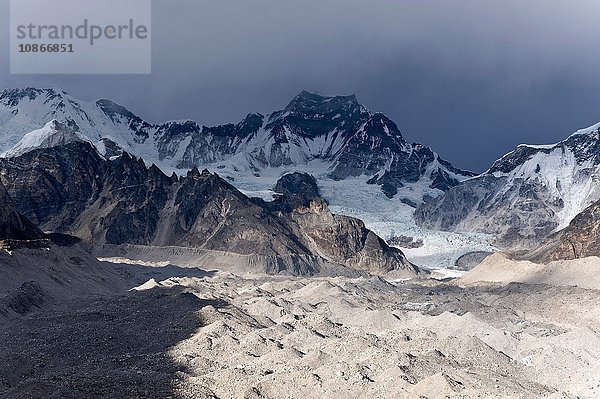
{"points": [[51, 135], [337, 133], [363, 165], [526, 195], [25, 110]]}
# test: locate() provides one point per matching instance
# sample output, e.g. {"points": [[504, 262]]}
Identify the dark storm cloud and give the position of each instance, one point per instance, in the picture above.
{"points": [[470, 78]]}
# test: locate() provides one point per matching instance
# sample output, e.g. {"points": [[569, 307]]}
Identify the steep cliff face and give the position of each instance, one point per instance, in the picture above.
{"points": [[72, 189], [294, 190], [339, 239], [579, 240]]}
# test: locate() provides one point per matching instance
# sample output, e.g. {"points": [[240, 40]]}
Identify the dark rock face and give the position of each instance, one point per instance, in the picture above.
{"points": [[297, 185], [371, 148], [311, 115], [580, 239], [446, 212], [380, 146], [405, 242], [442, 180], [170, 135], [140, 128], [205, 144], [339, 239], [514, 159], [518, 217], [469, 260], [294, 190], [112, 149], [12, 97], [13, 225], [71, 189]]}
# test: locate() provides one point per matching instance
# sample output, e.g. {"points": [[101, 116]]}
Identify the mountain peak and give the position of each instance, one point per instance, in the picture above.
{"points": [[121, 115], [53, 134], [591, 130], [318, 96], [379, 124], [313, 102], [336, 130]]}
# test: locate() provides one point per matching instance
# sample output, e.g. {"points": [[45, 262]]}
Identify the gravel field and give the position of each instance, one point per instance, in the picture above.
{"points": [[222, 335]]}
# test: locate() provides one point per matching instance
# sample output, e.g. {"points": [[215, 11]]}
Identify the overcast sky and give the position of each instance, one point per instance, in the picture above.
{"points": [[470, 78]]}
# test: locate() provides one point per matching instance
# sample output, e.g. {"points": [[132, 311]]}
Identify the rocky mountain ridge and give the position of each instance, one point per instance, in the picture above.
{"points": [[72, 189]]}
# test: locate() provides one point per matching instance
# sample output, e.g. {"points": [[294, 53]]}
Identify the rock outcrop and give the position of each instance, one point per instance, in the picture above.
{"points": [[579, 240], [13, 225]]}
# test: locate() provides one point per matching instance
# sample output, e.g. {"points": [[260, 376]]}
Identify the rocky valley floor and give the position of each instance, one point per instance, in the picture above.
{"points": [[222, 335]]}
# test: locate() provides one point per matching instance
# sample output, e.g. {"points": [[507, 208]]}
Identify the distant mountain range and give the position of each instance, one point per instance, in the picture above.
{"points": [[525, 196], [336, 134]]}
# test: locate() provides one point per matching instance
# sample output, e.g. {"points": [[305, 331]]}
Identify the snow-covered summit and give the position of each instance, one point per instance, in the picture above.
{"points": [[53, 134], [24, 110], [591, 130]]}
